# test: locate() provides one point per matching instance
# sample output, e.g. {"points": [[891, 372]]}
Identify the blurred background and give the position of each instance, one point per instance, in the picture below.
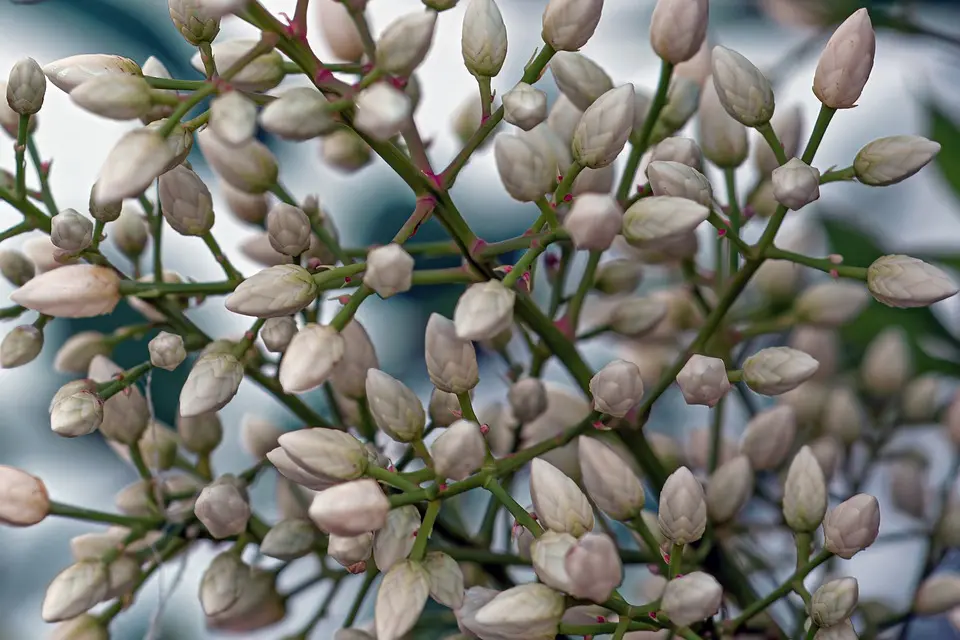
{"points": [[914, 89]]}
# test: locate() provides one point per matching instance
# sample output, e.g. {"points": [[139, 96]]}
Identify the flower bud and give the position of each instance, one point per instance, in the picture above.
{"points": [[394, 541], [289, 540], [636, 317], [834, 602], [350, 550], [21, 346], [887, 363], [484, 310], [405, 42], [528, 399], [617, 276], [395, 408], [547, 554], [609, 480], [683, 98], [937, 594], [211, 384], [528, 611], [83, 627], [827, 450], [233, 118], [527, 173], [617, 388], [382, 111], [23, 498], [842, 631], [351, 508], [186, 202], [133, 163], [851, 526], [730, 488], [77, 414], [788, 125], [683, 509], [326, 452], [167, 351], [892, 160], [769, 437], [193, 21], [691, 598], [70, 231], [558, 501], [723, 139], [73, 291], [277, 333], [298, 114], [703, 380], [200, 434], [338, 30], [275, 292], [130, 232], [345, 150], [222, 508], [569, 24], [796, 184], [919, 403], [249, 167], [69, 73], [846, 62], [483, 40], [582, 81], [15, 267], [831, 304], [310, 358], [564, 116], [804, 493], [593, 221], [458, 451], [444, 408], [903, 282], [776, 370], [445, 578], [604, 128], [678, 28], [524, 106], [679, 180], [221, 584], [389, 270], [262, 74], [843, 415], [288, 230], [451, 360], [661, 218], [75, 590], [400, 600], [677, 149], [26, 87], [594, 567], [114, 96], [743, 90], [908, 486], [125, 415]]}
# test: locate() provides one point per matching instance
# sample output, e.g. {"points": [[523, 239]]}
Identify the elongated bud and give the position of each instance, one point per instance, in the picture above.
{"points": [[484, 310], [661, 218], [683, 510], [328, 452], [908, 479], [678, 28], [133, 163], [75, 590], [903, 282], [612, 484], [459, 451], [15, 267], [70, 231], [233, 117], [186, 202], [275, 292], [776, 370], [277, 333], [167, 351], [594, 221], [69, 73], [400, 600], [83, 627], [298, 114], [21, 346], [787, 123], [703, 380], [350, 375], [74, 291], [558, 501], [919, 403], [683, 98], [405, 42], [395, 408], [525, 170], [636, 317], [289, 540], [821, 343], [125, 415], [852, 526], [221, 584], [831, 304], [350, 550], [604, 128], [796, 184], [679, 180], [846, 62], [834, 602], [222, 507], [769, 436], [338, 30], [617, 276], [730, 488], [288, 230], [451, 360], [569, 24], [310, 358], [382, 111], [262, 74], [617, 388], [564, 115], [691, 598], [722, 138], [527, 611], [114, 96], [211, 385], [528, 399], [937, 594], [130, 232], [389, 270], [445, 579], [200, 434], [887, 363], [26, 87], [393, 542], [524, 106], [351, 508], [548, 554], [677, 149], [23, 498], [154, 68], [582, 81], [743, 90], [483, 40], [345, 150], [249, 167], [892, 160], [804, 493], [443, 408], [594, 567]]}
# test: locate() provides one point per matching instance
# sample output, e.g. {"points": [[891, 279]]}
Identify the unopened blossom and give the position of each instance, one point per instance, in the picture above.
{"points": [[69, 73], [729, 488], [113, 96], [529, 611], [298, 114], [846, 62], [722, 138], [843, 415], [261, 74], [82, 627], [258, 605], [211, 385], [903, 282], [919, 403], [75, 590], [405, 42], [350, 374], [394, 541], [787, 123], [660, 218], [581, 81], [828, 452], [937, 594], [289, 539], [290, 470], [594, 567], [683, 509], [200, 434], [275, 292], [524, 106], [637, 316], [223, 508], [70, 231], [609, 480], [349, 550], [288, 229], [459, 450], [26, 86], [776, 370], [604, 128], [796, 184], [338, 30], [620, 275], [77, 414], [233, 118], [593, 221], [547, 554], [852, 526], [703, 380], [834, 602], [893, 159], [678, 28], [484, 310], [186, 202], [20, 346], [569, 24], [742, 88], [678, 149], [351, 508], [400, 600], [528, 399], [15, 267], [167, 351], [617, 388], [134, 162], [73, 291], [564, 116], [23, 498], [908, 492], [445, 579], [328, 452], [194, 21], [483, 40], [130, 233], [343, 149], [527, 173], [804, 493], [451, 360], [887, 363], [381, 111], [769, 437], [277, 333], [389, 270], [395, 407], [678, 180], [558, 501], [443, 408], [125, 415], [831, 304], [691, 598], [310, 358], [250, 167]]}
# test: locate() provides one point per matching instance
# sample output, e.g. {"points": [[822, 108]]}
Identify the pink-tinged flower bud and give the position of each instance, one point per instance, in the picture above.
{"points": [[10, 122], [594, 567], [74, 291], [445, 578], [683, 97], [395, 407], [679, 180], [298, 114], [211, 384], [769, 436], [70, 231], [82, 627], [130, 234], [525, 612], [23, 498], [892, 160], [483, 40], [604, 128], [834, 602], [233, 117], [114, 96], [327, 452], [277, 333], [843, 415], [21, 346], [593, 221], [582, 81], [223, 508], [257, 604], [609, 480], [26, 87], [288, 229], [660, 218], [76, 410], [389, 270], [451, 360], [691, 598], [678, 149], [394, 541], [458, 451], [903, 282], [69, 73], [262, 74], [823, 344], [349, 550], [743, 90], [776, 370], [16, 268], [295, 473], [846, 62], [351, 508], [310, 358], [548, 555], [729, 488], [524, 106], [852, 526], [400, 600], [638, 316], [804, 493], [558, 501], [787, 123], [193, 21], [338, 30], [723, 139], [249, 167], [683, 509], [75, 590], [887, 363], [382, 111], [908, 491], [703, 380], [569, 24], [617, 388], [678, 28], [133, 163], [831, 304], [484, 310], [796, 184], [443, 408], [275, 292], [405, 42], [186, 202], [525, 170], [474, 599], [828, 451], [167, 351], [937, 594]]}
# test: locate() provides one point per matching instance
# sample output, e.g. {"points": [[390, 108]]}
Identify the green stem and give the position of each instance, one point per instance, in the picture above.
{"points": [[426, 528], [221, 258], [42, 177], [840, 175], [346, 313], [156, 219], [730, 177], [521, 515], [466, 407], [566, 184], [23, 130], [820, 264], [720, 225], [621, 630], [580, 296], [548, 215], [766, 130], [421, 450], [391, 478], [819, 130], [90, 515], [639, 147], [126, 379], [486, 97], [676, 561], [640, 526], [716, 436]]}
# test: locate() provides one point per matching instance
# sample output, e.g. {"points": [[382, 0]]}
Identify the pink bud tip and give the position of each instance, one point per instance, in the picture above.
{"points": [[567, 198], [358, 567], [507, 268], [653, 615], [484, 429], [399, 83], [601, 619], [248, 335], [563, 324], [721, 233], [367, 68], [478, 245], [415, 532], [457, 413], [322, 75], [346, 280], [534, 243], [749, 212], [553, 205], [442, 486], [391, 468], [314, 263], [343, 299], [559, 178], [835, 258], [552, 260], [598, 425], [45, 167], [834, 274]]}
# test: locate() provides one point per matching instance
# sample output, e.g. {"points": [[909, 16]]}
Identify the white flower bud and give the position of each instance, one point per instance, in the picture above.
{"points": [[250, 167], [395, 407], [852, 526], [743, 90], [548, 554], [15, 267], [569, 24], [828, 451], [180, 143], [275, 292], [130, 234], [133, 163], [194, 21], [125, 415], [831, 304], [23, 498], [10, 122], [691, 598], [611, 483], [528, 399], [842, 631], [21, 346], [892, 160], [458, 451], [683, 509], [289, 539], [660, 218], [524, 106], [846, 62], [919, 403], [221, 584], [349, 550], [310, 358], [211, 384], [787, 123], [683, 98], [564, 116], [678, 28], [903, 282], [679, 180], [77, 414], [703, 380], [186, 202], [200, 434], [636, 317], [937, 594], [594, 567], [451, 360], [233, 118], [621, 275], [288, 230], [483, 41], [69, 73], [394, 541], [26, 87], [525, 612], [604, 128], [83, 627], [400, 600], [351, 508], [295, 473], [44, 256], [723, 139], [338, 30], [389, 270], [114, 96], [769, 436], [558, 501], [445, 578], [73, 291], [75, 590], [298, 114], [262, 74], [345, 150], [677, 149], [834, 602], [70, 231], [277, 333], [617, 388], [582, 81], [729, 488], [167, 351], [843, 415], [443, 408], [887, 363], [382, 111], [223, 508], [326, 452], [593, 221], [776, 370], [405, 42], [804, 493], [527, 173], [796, 184], [484, 310], [908, 486], [350, 375]]}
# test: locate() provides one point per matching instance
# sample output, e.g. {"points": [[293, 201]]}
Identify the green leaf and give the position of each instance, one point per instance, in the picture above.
{"points": [[945, 131]]}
